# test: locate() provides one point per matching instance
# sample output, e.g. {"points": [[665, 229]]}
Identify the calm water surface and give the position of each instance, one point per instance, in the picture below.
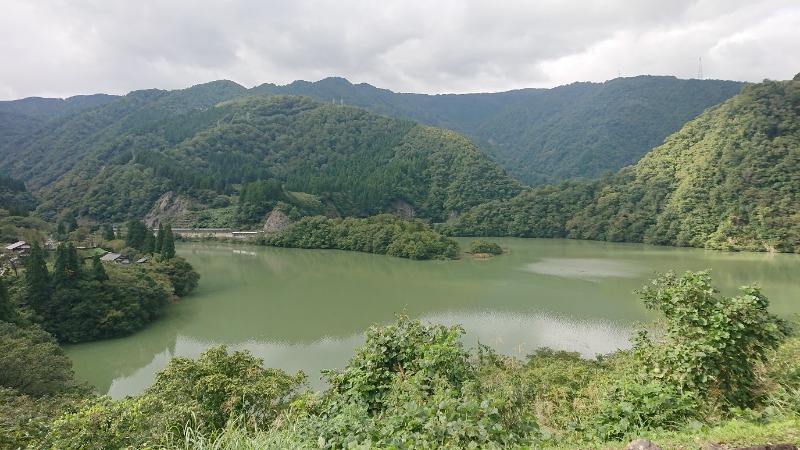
{"points": [[308, 309]]}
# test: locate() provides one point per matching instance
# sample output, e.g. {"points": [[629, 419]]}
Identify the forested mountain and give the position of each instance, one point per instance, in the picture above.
{"points": [[730, 179], [539, 135], [584, 129], [20, 117], [114, 161], [14, 198], [546, 135]]}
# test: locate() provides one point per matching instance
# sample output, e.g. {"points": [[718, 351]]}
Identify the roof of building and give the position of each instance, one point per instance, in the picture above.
{"points": [[110, 257], [18, 245]]}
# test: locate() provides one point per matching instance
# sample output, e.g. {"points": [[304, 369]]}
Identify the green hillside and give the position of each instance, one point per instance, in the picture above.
{"points": [[20, 117], [14, 198], [728, 180], [538, 135], [206, 144], [584, 129], [546, 135]]}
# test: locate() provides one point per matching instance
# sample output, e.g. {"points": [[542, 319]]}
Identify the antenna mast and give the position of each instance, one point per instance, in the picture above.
{"points": [[700, 69]]}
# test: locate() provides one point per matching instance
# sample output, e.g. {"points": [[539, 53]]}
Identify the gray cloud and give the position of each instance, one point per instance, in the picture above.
{"points": [[62, 48]]}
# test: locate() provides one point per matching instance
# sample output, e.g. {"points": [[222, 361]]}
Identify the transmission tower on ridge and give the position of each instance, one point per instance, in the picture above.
{"points": [[700, 69]]}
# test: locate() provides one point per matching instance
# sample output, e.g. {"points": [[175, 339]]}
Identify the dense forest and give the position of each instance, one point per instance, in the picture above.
{"points": [[593, 132], [546, 135], [76, 297], [384, 234], [21, 117], [358, 163], [14, 197], [728, 180]]}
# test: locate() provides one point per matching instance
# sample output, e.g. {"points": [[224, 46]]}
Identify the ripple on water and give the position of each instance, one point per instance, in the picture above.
{"points": [[589, 269]]}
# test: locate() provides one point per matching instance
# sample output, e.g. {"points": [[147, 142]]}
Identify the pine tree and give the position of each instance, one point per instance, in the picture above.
{"points": [[37, 280], [7, 313], [137, 234], [67, 269], [109, 233], [159, 239], [149, 245], [168, 246], [98, 271]]}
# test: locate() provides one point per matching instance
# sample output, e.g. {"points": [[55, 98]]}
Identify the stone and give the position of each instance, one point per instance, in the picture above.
{"points": [[642, 444]]}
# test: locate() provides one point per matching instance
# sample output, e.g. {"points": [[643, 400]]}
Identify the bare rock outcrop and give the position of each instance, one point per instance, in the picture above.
{"points": [[276, 222], [169, 205], [402, 209]]}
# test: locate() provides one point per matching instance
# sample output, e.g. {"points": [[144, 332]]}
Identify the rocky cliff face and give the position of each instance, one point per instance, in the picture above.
{"points": [[276, 222], [168, 206]]}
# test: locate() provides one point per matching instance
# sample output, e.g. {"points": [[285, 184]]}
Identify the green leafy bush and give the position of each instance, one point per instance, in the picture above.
{"points": [[631, 408], [710, 345], [415, 386], [101, 423], [219, 386], [484, 246]]}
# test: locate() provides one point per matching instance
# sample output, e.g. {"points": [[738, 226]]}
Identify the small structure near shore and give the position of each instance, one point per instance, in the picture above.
{"points": [[19, 247], [115, 258]]}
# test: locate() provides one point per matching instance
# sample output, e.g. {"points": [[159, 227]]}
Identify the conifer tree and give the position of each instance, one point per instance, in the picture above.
{"points": [[37, 280], [168, 246], [98, 271], [159, 238], [137, 233], [67, 268], [149, 245], [109, 233], [6, 308]]}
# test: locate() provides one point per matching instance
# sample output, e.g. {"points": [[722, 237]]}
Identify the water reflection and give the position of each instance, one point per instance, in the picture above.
{"points": [[508, 333], [584, 269]]}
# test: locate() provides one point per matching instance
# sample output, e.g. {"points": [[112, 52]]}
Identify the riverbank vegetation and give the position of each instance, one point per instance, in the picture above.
{"points": [[383, 234], [76, 297], [718, 367], [484, 247]]}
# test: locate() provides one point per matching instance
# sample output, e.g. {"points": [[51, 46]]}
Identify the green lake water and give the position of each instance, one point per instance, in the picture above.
{"points": [[307, 309]]}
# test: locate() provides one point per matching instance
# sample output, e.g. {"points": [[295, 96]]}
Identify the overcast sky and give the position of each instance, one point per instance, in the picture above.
{"points": [[59, 48]]}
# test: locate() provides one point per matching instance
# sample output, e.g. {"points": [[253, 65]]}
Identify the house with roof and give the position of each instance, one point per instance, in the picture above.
{"points": [[19, 247], [117, 258]]}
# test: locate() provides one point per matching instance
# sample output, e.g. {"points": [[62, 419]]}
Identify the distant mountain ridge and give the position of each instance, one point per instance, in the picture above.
{"points": [[538, 135], [546, 135], [208, 143], [20, 117], [728, 180]]}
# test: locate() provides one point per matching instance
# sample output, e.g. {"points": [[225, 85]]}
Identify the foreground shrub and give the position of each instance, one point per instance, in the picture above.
{"points": [[218, 386], [101, 423], [710, 345], [631, 408], [415, 386]]}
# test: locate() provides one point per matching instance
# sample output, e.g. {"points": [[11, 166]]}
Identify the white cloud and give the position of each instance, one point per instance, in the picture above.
{"points": [[61, 48]]}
